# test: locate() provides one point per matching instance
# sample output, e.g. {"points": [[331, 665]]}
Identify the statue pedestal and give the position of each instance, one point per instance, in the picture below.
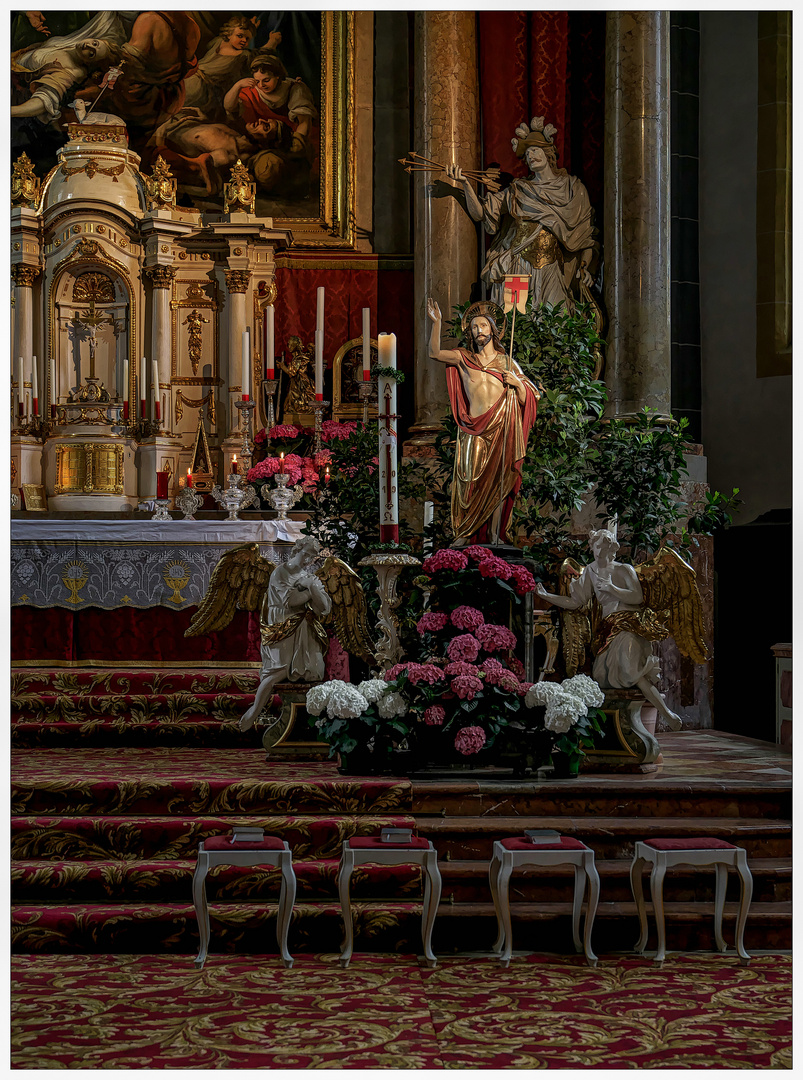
{"points": [[291, 737], [629, 743]]}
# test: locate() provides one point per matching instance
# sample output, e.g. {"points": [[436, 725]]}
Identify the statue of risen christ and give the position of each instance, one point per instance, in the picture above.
{"points": [[494, 406]]}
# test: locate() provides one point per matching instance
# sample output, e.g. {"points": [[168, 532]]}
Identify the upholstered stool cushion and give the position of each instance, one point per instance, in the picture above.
{"points": [[699, 843], [223, 843], [374, 842], [518, 843]]}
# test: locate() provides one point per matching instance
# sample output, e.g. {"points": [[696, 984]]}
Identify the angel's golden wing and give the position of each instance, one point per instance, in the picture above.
{"points": [[576, 625], [239, 580], [349, 613], [670, 588]]}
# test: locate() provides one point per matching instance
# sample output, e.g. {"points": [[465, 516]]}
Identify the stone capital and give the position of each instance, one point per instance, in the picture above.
{"points": [[24, 276], [237, 280], [162, 277]]}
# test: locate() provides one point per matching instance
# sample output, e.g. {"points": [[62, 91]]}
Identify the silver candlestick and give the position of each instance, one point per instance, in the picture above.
{"points": [[318, 407], [188, 502], [246, 408], [271, 386], [235, 497], [366, 390], [281, 498]]}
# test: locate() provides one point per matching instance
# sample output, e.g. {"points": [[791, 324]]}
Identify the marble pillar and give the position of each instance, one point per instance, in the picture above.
{"points": [[637, 209], [237, 284], [24, 277], [162, 278], [446, 129]]}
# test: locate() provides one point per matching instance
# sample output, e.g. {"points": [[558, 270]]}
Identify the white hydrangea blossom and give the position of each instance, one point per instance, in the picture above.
{"points": [[391, 705], [541, 693], [318, 697], [372, 689], [586, 689], [563, 712], [346, 702]]}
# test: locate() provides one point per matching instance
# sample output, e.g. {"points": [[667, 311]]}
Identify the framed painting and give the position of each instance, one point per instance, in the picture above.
{"points": [[202, 90]]}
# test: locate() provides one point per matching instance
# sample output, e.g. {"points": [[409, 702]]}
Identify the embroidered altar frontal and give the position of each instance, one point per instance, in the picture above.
{"points": [[142, 564]]}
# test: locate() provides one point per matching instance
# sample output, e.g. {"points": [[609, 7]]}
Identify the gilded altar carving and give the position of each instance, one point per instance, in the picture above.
{"points": [[196, 403], [24, 276], [195, 320], [89, 468], [237, 280], [160, 186], [162, 277], [239, 195], [93, 286], [92, 167], [25, 185], [196, 299]]}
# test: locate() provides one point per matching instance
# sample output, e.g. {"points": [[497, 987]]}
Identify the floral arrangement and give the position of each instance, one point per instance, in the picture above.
{"points": [[291, 453]]}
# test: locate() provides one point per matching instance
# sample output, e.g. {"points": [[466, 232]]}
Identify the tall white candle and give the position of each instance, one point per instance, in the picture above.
{"points": [[143, 400], [270, 343], [53, 387], [126, 392], [246, 373], [319, 310], [388, 439], [17, 391], [319, 365], [157, 404], [35, 386], [366, 344]]}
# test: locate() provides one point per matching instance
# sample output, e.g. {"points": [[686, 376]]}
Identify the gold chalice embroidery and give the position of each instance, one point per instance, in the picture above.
{"points": [[176, 575]]}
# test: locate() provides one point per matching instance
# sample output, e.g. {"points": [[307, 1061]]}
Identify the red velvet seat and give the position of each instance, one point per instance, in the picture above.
{"points": [[223, 843]]}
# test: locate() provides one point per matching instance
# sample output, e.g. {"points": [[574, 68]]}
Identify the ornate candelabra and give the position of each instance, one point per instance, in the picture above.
{"points": [[318, 407], [246, 408], [283, 498], [388, 567], [35, 426], [234, 498], [271, 386], [161, 510], [188, 501]]}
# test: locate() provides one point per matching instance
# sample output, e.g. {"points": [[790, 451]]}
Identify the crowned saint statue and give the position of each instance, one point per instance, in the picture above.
{"points": [[494, 406], [542, 227]]}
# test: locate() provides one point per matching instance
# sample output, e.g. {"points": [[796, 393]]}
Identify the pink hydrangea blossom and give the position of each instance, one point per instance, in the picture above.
{"points": [[469, 740], [467, 618], [493, 566], [432, 621], [515, 666], [506, 680], [284, 431], [466, 687], [492, 665], [427, 673], [435, 714], [459, 667], [322, 459], [335, 429], [260, 437], [444, 559], [476, 552], [523, 581], [264, 470], [524, 687], [393, 673], [495, 638], [463, 647]]}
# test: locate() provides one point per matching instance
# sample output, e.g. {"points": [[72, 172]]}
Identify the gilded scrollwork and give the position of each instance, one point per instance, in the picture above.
{"points": [[239, 195], [25, 185], [160, 186]]}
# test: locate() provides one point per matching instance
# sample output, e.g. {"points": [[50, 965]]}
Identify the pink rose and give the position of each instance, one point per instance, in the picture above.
{"points": [[467, 618], [495, 638], [432, 621], [463, 647], [469, 740], [466, 687], [434, 715]]}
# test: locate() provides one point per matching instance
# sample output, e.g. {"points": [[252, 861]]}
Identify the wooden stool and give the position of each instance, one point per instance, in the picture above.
{"points": [[701, 851], [220, 851], [370, 849], [518, 851]]}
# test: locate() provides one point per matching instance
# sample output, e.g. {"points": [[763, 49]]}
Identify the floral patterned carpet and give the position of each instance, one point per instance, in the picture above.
{"points": [[128, 1012]]}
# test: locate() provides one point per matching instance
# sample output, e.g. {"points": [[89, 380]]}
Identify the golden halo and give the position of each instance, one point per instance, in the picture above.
{"points": [[490, 310]]}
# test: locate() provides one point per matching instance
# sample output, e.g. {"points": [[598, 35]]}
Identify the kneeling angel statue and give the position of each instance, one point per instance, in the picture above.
{"points": [[619, 610], [296, 606]]}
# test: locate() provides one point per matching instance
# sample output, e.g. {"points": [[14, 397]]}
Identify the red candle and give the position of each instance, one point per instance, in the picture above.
{"points": [[158, 408], [125, 410], [161, 484], [326, 475], [189, 478], [234, 466], [36, 406]]}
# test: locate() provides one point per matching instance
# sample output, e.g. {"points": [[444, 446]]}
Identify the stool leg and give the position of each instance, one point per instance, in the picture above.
{"points": [[432, 897], [746, 878], [637, 887], [504, 908], [493, 881], [343, 880], [657, 891], [287, 898], [201, 909], [719, 904], [577, 905], [593, 900]]}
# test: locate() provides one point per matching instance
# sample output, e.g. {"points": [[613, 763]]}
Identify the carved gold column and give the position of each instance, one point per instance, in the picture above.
{"points": [[446, 125], [24, 277], [162, 278], [637, 222], [237, 284]]}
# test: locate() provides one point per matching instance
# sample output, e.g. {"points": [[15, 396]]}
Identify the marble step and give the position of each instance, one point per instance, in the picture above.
{"points": [[116, 731], [170, 881], [386, 927]]}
